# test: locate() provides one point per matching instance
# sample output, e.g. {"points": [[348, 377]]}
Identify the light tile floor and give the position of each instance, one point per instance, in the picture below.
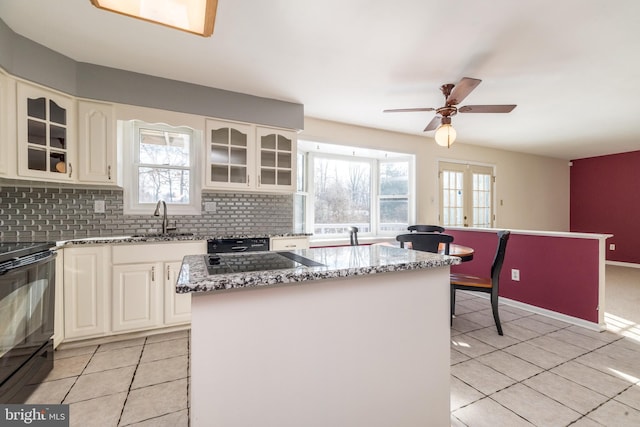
{"points": [[542, 372]]}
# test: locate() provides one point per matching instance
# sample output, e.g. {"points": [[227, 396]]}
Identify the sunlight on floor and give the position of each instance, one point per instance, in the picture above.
{"points": [[622, 326]]}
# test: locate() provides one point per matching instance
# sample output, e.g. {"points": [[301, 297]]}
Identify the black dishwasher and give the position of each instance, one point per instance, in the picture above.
{"points": [[243, 244]]}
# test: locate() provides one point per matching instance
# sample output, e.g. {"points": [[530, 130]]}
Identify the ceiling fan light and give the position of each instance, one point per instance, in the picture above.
{"points": [[445, 135]]}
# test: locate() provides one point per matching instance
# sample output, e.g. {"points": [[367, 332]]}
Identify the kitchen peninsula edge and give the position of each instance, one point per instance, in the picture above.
{"points": [[362, 340]]}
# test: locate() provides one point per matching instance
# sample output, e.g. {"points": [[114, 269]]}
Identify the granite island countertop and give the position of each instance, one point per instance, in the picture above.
{"points": [[338, 262]]}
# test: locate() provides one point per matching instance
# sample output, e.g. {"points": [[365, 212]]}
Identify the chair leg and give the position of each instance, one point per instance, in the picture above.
{"points": [[496, 316], [453, 303]]}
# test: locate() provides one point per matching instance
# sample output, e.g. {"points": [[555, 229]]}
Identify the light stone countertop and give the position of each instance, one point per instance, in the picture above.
{"points": [[338, 262], [158, 237]]}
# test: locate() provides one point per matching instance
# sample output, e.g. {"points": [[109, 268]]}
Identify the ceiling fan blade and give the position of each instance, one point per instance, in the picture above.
{"points": [[486, 109], [408, 110], [434, 123], [462, 89]]}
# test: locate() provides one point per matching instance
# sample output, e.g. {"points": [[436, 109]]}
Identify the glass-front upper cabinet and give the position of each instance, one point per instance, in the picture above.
{"points": [[230, 161], [45, 134], [276, 159]]}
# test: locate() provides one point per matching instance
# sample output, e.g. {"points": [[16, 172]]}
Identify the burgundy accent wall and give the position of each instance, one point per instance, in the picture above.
{"points": [[605, 198], [556, 273]]}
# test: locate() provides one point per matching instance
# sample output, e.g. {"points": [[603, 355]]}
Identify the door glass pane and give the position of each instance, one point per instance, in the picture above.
{"points": [[57, 137], [238, 138], [284, 160], [219, 174], [57, 162], [268, 158], [36, 108], [220, 136], [36, 132], [452, 198], [268, 142], [284, 144], [57, 113], [238, 156], [219, 154], [37, 160], [481, 200], [268, 177], [284, 178], [238, 174]]}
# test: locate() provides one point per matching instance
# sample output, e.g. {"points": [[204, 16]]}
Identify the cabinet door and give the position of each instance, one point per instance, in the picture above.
{"points": [[230, 155], [45, 134], [85, 298], [177, 307], [276, 159], [136, 297], [96, 143]]}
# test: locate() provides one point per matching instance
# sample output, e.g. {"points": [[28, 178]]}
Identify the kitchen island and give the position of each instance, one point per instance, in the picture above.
{"points": [[360, 340]]}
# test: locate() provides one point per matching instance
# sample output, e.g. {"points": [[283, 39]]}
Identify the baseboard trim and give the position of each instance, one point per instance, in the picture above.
{"points": [[555, 315], [552, 314], [623, 264]]}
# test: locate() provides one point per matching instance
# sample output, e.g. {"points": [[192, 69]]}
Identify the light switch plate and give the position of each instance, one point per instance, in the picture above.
{"points": [[515, 275], [98, 206]]}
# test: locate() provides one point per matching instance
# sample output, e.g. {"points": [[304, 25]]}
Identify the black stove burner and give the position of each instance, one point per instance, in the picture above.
{"points": [[255, 261]]}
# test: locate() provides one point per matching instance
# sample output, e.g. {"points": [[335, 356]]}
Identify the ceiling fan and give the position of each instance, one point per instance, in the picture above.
{"points": [[454, 94]]}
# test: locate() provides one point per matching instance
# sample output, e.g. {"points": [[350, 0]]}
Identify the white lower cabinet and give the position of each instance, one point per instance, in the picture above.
{"points": [[289, 243], [86, 298], [120, 288], [136, 297], [144, 285]]}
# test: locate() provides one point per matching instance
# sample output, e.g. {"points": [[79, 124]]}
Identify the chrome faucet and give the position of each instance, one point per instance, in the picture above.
{"points": [[165, 220]]}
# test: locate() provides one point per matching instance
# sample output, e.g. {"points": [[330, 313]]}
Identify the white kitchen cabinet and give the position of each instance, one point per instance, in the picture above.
{"points": [[46, 134], [136, 296], [4, 124], [58, 318], [86, 296], [276, 159], [96, 143], [177, 307], [289, 243], [230, 155], [144, 283], [247, 157]]}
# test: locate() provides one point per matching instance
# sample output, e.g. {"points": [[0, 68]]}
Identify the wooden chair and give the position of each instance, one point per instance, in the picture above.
{"points": [[426, 228], [488, 285], [426, 242], [353, 236]]}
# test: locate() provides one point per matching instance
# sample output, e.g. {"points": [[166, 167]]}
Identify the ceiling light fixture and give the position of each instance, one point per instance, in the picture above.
{"points": [[192, 16], [445, 134]]}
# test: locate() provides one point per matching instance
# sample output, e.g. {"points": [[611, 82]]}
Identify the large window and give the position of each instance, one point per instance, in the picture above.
{"points": [[369, 189], [162, 167]]}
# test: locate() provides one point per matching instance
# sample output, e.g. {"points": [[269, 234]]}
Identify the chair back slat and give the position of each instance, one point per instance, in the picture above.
{"points": [[498, 260], [426, 242]]}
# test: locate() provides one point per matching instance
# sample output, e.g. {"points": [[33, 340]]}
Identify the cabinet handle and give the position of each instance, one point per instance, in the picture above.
{"points": [[70, 170], [290, 246], [248, 180], [168, 272], [259, 179], [109, 172], [153, 274]]}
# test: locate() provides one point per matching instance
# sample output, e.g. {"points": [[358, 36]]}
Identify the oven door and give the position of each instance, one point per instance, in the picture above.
{"points": [[26, 313]]}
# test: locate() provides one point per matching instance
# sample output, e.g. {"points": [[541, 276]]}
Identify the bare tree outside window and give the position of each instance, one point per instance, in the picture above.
{"points": [[163, 167], [342, 195]]}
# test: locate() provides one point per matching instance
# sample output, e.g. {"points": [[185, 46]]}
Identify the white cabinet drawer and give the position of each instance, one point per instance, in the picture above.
{"points": [[156, 252], [289, 243]]}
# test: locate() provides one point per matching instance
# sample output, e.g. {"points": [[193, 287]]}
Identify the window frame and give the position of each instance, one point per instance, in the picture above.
{"points": [[374, 158], [131, 138]]}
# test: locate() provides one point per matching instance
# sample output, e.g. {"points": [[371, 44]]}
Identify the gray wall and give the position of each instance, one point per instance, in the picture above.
{"points": [[39, 213], [31, 61]]}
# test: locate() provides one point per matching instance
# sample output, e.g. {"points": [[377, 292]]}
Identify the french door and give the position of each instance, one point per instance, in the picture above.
{"points": [[466, 195]]}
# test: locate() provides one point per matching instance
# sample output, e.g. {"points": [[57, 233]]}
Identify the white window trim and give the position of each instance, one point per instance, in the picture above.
{"points": [[309, 191], [128, 132]]}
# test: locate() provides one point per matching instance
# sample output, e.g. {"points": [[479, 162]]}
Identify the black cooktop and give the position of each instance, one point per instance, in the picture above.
{"points": [[11, 250]]}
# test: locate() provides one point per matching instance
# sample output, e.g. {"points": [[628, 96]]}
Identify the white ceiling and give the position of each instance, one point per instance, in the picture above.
{"points": [[572, 66]]}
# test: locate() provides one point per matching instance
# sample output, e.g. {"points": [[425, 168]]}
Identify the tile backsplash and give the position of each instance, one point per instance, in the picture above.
{"points": [[46, 212]]}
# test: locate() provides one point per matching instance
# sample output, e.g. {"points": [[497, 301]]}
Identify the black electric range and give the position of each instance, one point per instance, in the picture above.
{"points": [[14, 250]]}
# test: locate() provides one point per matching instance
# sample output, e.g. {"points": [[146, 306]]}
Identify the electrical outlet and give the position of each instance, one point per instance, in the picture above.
{"points": [[98, 206], [210, 207], [612, 247], [515, 275]]}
